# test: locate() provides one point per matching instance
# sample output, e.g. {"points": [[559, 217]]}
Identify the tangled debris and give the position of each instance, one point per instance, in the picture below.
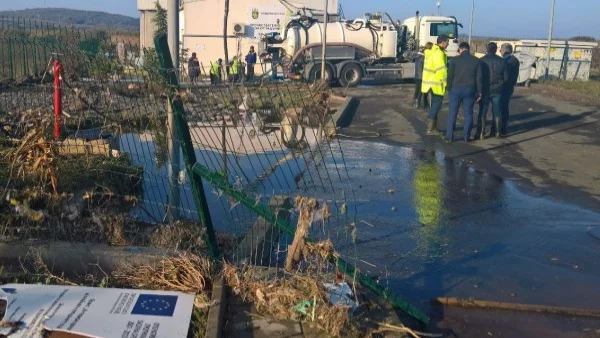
{"points": [[307, 207], [278, 297]]}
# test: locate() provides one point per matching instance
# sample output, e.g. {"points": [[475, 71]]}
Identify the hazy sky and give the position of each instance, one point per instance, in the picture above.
{"points": [[508, 18]]}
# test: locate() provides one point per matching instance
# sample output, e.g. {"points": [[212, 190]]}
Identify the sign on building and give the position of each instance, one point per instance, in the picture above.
{"points": [[265, 19]]}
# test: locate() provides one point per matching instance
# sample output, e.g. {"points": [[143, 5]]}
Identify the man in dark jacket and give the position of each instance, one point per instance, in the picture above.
{"points": [[419, 61], [418, 97], [250, 62], [193, 68], [465, 83], [513, 66], [494, 77]]}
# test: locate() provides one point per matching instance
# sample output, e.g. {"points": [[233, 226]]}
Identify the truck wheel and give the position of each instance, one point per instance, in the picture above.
{"points": [[351, 75], [315, 73]]}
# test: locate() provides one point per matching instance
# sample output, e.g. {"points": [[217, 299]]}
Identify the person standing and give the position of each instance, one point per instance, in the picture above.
{"points": [[193, 68], [435, 76], [418, 97], [465, 83], [250, 62], [215, 72], [513, 66], [419, 62], [494, 77], [234, 70]]}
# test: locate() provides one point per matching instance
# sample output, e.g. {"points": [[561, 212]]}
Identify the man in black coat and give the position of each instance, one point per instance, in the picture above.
{"points": [[465, 83], [494, 78], [193, 68], [421, 100], [513, 66]]}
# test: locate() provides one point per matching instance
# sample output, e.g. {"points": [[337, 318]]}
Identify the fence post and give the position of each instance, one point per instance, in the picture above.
{"points": [[24, 46], [189, 157], [57, 97], [10, 58]]}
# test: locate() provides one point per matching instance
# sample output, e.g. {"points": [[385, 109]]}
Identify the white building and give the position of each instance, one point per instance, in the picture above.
{"points": [[201, 23]]}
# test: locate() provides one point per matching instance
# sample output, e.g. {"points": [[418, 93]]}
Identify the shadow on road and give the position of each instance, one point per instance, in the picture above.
{"points": [[531, 126]]}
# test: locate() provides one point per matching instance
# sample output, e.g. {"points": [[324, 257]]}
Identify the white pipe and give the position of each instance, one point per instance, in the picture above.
{"points": [[472, 15], [550, 40], [173, 144], [323, 47]]}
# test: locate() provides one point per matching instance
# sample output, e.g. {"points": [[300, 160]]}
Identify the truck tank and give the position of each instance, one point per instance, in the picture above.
{"points": [[382, 40]]}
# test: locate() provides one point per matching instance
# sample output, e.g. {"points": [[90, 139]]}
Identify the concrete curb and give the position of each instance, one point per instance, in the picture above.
{"points": [[216, 312], [338, 118], [80, 258]]}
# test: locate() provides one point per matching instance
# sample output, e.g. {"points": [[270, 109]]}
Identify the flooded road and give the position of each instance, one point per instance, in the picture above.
{"points": [[431, 227], [440, 228]]}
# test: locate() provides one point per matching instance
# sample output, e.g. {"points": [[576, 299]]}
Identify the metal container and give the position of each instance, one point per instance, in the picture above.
{"points": [[526, 68], [569, 60]]}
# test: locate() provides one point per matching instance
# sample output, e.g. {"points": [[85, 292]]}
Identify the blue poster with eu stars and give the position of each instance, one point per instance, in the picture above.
{"points": [[154, 305], [95, 312]]}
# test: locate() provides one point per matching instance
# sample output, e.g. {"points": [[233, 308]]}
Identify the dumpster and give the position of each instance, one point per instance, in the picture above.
{"points": [[569, 60], [527, 68]]}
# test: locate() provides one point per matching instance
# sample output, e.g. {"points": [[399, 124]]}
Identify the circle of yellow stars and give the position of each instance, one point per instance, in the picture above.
{"points": [[156, 304]]}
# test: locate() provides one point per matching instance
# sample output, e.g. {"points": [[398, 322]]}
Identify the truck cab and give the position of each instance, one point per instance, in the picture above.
{"points": [[425, 29]]}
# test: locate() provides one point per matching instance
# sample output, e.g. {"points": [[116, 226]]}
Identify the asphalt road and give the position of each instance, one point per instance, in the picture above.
{"points": [[551, 150]]}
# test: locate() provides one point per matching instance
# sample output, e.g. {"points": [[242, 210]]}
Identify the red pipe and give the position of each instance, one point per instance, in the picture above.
{"points": [[57, 98]]}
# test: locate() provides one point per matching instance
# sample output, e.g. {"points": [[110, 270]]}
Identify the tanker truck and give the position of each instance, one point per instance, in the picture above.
{"points": [[373, 46]]}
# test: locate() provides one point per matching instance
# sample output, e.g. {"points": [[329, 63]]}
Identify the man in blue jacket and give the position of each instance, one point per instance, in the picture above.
{"points": [[250, 62], [465, 83], [513, 66], [193, 68]]}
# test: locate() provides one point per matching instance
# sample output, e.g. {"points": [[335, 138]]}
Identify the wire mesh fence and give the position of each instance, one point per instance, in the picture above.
{"points": [[249, 167], [268, 141]]}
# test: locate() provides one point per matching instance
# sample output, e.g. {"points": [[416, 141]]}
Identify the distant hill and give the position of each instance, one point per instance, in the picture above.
{"points": [[76, 17]]}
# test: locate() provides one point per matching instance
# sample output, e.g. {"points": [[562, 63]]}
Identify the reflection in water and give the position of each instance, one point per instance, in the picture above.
{"points": [[429, 207], [428, 194]]}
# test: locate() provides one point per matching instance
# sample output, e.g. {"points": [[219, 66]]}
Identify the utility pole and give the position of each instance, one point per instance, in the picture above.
{"points": [[172, 141], [225, 47], [472, 15], [547, 75], [324, 42]]}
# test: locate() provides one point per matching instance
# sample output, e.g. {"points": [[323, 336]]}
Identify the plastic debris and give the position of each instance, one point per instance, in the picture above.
{"points": [[341, 293], [23, 210], [302, 307]]}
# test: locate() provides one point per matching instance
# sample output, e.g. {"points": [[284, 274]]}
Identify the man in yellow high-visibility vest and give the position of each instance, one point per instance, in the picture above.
{"points": [[435, 75], [235, 70]]}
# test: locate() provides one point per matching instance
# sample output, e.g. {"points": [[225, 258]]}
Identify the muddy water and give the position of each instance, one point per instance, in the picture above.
{"points": [[428, 227]]}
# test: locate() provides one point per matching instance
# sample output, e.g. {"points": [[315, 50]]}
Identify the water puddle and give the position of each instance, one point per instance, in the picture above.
{"points": [[427, 226]]}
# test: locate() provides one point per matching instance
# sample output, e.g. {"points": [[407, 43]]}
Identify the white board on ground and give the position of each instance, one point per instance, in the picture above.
{"points": [[97, 312]]}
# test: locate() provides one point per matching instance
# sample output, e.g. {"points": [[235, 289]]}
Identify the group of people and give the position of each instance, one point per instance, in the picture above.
{"points": [[489, 81], [235, 69]]}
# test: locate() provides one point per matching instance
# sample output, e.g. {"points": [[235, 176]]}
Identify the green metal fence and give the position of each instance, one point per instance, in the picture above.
{"points": [[257, 160]]}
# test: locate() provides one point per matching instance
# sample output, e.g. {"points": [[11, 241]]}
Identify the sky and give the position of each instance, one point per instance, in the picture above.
{"points": [[498, 18]]}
